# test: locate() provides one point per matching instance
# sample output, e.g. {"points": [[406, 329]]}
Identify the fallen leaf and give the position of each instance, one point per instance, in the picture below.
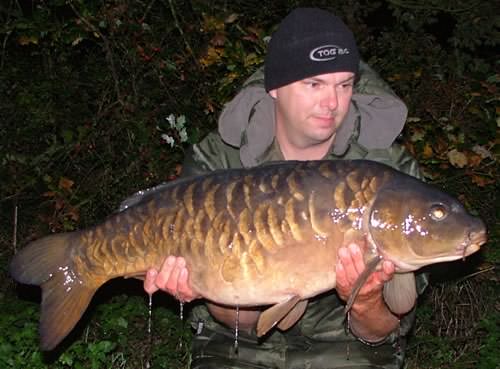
{"points": [[395, 77], [59, 203], [482, 181], [441, 145], [65, 183], [219, 39], [76, 41], [26, 40], [73, 214], [427, 152], [482, 151], [474, 160], [418, 135], [232, 18], [457, 159]]}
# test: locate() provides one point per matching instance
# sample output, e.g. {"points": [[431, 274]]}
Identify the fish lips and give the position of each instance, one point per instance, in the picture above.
{"points": [[471, 244]]}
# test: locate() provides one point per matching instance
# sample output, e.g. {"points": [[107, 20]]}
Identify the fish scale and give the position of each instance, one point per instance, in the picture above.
{"points": [[255, 237]]}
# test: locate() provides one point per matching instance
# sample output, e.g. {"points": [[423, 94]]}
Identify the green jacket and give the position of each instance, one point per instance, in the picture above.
{"points": [[245, 138]]}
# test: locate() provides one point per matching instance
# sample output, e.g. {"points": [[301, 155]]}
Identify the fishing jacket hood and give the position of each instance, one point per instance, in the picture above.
{"points": [[375, 119]]}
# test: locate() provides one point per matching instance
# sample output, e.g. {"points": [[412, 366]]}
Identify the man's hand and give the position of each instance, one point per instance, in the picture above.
{"points": [[173, 278], [350, 264], [371, 320]]}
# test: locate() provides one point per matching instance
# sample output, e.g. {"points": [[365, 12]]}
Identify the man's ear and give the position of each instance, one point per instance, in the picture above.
{"points": [[273, 93]]}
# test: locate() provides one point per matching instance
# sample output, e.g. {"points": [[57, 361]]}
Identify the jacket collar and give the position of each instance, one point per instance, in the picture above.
{"points": [[248, 123]]}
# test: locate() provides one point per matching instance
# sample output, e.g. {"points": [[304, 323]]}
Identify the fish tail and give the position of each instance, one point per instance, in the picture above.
{"points": [[65, 295]]}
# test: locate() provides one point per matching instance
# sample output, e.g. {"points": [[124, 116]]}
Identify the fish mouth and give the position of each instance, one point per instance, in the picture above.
{"points": [[472, 243]]}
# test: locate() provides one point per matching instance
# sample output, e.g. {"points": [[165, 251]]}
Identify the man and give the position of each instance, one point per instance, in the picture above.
{"points": [[317, 101]]}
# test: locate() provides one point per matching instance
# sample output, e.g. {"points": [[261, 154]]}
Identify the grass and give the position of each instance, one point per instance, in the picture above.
{"points": [[113, 333]]}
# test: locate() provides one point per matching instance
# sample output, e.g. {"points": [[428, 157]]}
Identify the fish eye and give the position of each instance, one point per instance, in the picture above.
{"points": [[438, 212]]}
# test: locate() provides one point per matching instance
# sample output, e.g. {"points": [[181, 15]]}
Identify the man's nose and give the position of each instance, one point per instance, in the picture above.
{"points": [[329, 100]]}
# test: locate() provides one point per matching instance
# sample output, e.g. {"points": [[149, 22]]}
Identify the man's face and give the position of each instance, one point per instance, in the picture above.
{"points": [[308, 112]]}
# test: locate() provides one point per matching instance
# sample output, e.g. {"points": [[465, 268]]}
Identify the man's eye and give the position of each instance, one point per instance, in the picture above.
{"points": [[312, 84]]}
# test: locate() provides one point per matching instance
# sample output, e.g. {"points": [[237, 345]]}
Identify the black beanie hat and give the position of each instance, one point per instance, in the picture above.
{"points": [[309, 42]]}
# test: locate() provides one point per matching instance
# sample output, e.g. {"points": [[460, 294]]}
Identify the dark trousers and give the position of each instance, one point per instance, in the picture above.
{"points": [[212, 349]]}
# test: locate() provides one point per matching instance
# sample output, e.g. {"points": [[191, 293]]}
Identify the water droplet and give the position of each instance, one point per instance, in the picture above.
{"points": [[150, 315], [181, 316], [236, 329], [150, 337]]}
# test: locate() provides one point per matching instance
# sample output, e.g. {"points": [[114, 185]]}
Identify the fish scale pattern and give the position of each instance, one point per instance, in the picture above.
{"points": [[234, 220]]}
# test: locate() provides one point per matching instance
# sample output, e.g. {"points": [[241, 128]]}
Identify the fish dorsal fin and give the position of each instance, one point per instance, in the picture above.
{"points": [[369, 269], [400, 293], [293, 316], [272, 316]]}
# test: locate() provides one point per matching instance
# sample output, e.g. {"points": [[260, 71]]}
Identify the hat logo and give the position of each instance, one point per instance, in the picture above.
{"points": [[327, 52]]}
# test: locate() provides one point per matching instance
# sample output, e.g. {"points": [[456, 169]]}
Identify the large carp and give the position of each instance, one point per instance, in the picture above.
{"points": [[252, 237]]}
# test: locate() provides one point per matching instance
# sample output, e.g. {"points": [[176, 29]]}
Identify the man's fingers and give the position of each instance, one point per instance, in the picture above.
{"points": [[388, 267], [353, 262], [164, 273], [170, 276], [349, 269], [185, 293], [388, 270], [357, 258], [149, 283]]}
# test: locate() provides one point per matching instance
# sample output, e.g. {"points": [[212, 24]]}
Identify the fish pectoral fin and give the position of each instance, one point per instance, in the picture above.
{"points": [[272, 316], [293, 316], [370, 267], [400, 293]]}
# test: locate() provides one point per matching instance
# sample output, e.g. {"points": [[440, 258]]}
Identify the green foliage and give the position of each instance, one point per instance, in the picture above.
{"points": [[93, 355], [490, 351], [115, 337], [99, 99], [18, 348]]}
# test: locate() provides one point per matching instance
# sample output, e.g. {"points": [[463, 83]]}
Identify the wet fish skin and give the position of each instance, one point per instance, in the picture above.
{"points": [[251, 237]]}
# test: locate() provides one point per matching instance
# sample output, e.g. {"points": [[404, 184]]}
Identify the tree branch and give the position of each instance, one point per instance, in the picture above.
{"points": [[177, 25]]}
